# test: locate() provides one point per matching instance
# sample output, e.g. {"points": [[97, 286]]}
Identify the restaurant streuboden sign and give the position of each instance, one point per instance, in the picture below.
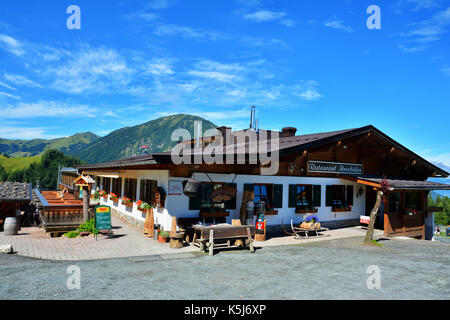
{"points": [[334, 167]]}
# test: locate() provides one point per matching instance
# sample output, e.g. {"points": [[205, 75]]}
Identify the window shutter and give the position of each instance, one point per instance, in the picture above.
{"points": [[127, 188], [292, 195], [317, 193], [248, 187], [231, 204], [142, 194], [278, 196], [329, 196], [195, 203], [349, 195]]}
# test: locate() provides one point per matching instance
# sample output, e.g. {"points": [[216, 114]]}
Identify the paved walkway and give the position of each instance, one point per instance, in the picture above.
{"points": [[129, 242]]}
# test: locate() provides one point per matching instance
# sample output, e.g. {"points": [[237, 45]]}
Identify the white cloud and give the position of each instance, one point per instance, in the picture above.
{"points": [[160, 4], [159, 67], [47, 109], [338, 25], [20, 80], [24, 133], [188, 32], [264, 15], [12, 45], [8, 95], [412, 49], [6, 86], [446, 71], [90, 70], [307, 90]]}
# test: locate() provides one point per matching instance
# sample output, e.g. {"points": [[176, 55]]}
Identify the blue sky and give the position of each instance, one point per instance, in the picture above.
{"points": [[310, 64]]}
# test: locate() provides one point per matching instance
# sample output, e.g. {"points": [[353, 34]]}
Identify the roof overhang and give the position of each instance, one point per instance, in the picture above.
{"points": [[399, 184], [104, 174]]}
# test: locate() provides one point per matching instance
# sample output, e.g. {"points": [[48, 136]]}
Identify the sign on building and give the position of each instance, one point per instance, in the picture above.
{"points": [[334, 167]]}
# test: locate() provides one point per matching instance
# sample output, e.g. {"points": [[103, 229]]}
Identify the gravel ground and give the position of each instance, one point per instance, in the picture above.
{"points": [[337, 269]]}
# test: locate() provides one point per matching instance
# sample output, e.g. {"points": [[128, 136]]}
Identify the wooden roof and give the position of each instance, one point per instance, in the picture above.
{"points": [[287, 145], [15, 191]]}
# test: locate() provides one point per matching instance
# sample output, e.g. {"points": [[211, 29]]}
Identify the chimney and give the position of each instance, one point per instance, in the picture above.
{"points": [[252, 118], [288, 132]]}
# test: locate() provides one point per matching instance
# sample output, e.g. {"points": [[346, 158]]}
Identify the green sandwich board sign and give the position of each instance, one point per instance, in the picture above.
{"points": [[103, 218]]}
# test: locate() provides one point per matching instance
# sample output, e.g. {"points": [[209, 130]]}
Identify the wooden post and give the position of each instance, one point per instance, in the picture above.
{"points": [[85, 204], [250, 241], [211, 242]]}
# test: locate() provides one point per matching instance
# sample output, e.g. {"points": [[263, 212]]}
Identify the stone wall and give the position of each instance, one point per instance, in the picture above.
{"points": [[128, 219]]}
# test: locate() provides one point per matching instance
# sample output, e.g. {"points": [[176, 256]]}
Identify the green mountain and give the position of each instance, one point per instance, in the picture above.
{"points": [[127, 142], [29, 148]]}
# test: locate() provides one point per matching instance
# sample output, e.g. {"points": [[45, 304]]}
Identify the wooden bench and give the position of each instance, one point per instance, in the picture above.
{"points": [[219, 236]]}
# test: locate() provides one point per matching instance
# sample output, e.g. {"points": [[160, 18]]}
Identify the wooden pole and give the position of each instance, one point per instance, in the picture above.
{"points": [[85, 204]]}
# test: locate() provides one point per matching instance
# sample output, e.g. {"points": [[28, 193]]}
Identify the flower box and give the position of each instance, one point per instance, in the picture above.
{"points": [[341, 209], [216, 214], [127, 204], [302, 211], [269, 213]]}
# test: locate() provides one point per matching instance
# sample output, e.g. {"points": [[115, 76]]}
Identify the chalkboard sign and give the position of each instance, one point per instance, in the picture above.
{"points": [[103, 218]]}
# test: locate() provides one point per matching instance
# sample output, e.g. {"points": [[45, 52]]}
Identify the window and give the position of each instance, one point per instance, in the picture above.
{"points": [[394, 202], [207, 188], [107, 185], [304, 196], [413, 201], [271, 194], [117, 186], [339, 196], [130, 188], [263, 192], [203, 200], [147, 192]]}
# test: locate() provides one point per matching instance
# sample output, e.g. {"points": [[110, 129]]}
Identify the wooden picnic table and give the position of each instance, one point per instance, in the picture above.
{"points": [[217, 236]]}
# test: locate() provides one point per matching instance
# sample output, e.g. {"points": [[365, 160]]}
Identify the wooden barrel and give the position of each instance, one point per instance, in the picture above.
{"points": [[10, 227]]}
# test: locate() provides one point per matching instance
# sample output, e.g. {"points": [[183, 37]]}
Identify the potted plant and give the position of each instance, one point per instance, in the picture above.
{"points": [[95, 198], [341, 208], [163, 236], [103, 194], [143, 206], [113, 197], [127, 202], [310, 221]]}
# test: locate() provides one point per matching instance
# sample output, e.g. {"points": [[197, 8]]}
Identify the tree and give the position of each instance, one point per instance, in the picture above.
{"points": [[380, 194]]}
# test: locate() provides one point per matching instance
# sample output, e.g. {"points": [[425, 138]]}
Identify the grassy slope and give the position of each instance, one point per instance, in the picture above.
{"points": [[69, 145], [11, 164]]}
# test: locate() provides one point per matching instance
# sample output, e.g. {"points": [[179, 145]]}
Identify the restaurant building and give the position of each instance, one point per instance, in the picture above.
{"points": [[334, 175]]}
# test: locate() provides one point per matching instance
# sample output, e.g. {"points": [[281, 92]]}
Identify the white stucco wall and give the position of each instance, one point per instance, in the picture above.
{"points": [[179, 205]]}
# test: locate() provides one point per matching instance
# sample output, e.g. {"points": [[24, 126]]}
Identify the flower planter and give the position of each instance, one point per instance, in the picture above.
{"points": [[301, 211], [114, 199], [269, 213], [341, 209], [162, 239], [214, 214], [310, 225], [128, 205]]}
